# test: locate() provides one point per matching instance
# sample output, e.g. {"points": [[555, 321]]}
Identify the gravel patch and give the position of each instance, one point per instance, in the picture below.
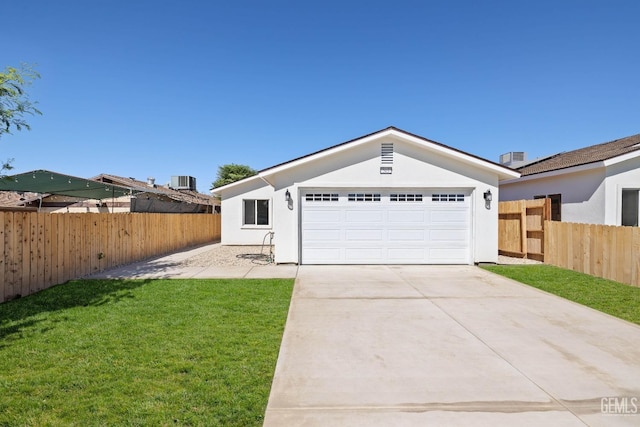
{"points": [[507, 260], [236, 256]]}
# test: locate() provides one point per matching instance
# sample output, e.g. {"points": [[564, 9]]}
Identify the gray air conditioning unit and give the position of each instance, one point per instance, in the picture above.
{"points": [[513, 158], [183, 183]]}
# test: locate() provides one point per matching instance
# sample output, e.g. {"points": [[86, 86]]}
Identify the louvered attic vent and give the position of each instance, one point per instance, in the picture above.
{"points": [[386, 153], [386, 158]]}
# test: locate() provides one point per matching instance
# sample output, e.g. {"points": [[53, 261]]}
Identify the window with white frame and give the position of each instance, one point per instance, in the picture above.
{"points": [[256, 212]]}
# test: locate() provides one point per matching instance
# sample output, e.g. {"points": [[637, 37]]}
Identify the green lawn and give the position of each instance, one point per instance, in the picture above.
{"points": [[610, 297], [153, 352]]}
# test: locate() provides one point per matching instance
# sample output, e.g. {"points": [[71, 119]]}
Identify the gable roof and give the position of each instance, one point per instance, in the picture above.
{"points": [[583, 156], [264, 174]]}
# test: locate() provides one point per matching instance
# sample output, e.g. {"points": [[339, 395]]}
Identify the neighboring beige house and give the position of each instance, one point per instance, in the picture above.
{"points": [[599, 184], [390, 197], [179, 196]]}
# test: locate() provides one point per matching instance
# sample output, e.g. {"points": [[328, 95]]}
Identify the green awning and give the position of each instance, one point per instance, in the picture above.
{"points": [[46, 182]]}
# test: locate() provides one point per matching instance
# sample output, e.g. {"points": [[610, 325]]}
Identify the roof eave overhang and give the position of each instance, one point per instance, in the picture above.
{"points": [[621, 158], [502, 171], [219, 190], [266, 175], [557, 172]]}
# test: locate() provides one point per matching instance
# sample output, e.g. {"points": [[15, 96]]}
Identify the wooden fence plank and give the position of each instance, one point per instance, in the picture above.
{"points": [[577, 247], [25, 253], [635, 256], [103, 261], [46, 251], [53, 249], [64, 246], [10, 253], [586, 248], [3, 259], [40, 251], [623, 259]]}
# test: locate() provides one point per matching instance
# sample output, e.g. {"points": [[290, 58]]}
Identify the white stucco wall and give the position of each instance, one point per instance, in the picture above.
{"points": [[359, 167], [583, 193], [232, 230]]}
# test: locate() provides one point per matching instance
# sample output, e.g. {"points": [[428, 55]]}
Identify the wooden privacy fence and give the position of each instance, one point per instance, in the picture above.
{"points": [[521, 228], [606, 251], [39, 250]]}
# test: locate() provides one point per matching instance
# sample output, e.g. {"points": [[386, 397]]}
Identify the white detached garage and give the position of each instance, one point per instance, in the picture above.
{"points": [[390, 197]]}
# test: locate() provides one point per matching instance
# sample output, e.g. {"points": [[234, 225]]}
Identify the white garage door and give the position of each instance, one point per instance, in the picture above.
{"points": [[417, 226]]}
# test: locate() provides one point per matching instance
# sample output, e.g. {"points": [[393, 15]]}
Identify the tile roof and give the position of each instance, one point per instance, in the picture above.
{"points": [[179, 195], [583, 156], [15, 199]]}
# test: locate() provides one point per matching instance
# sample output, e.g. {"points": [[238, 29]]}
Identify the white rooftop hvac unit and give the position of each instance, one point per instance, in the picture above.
{"points": [[512, 158], [183, 182]]}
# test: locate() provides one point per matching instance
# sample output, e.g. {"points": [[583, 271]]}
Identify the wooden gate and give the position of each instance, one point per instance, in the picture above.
{"points": [[521, 228]]}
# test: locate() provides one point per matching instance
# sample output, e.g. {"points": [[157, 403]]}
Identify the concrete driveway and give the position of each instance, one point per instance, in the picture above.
{"points": [[448, 345]]}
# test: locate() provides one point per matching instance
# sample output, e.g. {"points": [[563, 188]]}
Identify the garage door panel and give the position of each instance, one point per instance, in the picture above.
{"points": [[324, 255], [362, 216], [363, 234], [386, 230], [450, 216], [405, 216], [406, 254], [410, 234], [447, 254], [321, 216], [323, 234], [364, 253], [450, 235]]}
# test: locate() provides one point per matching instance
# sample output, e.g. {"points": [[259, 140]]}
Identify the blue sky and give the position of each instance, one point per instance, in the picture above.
{"points": [[179, 87]]}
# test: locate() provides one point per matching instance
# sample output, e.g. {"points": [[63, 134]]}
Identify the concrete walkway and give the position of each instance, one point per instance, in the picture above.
{"points": [[171, 267], [445, 345]]}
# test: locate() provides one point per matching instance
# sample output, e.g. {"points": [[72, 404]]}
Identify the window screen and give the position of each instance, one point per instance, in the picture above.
{"points": [[256, 212]]}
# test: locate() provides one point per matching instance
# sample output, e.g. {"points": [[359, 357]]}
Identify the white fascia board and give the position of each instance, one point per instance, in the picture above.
{"points": [[557, 172], [217, 191], [621, 158], [327, 152], [503, 172]]}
